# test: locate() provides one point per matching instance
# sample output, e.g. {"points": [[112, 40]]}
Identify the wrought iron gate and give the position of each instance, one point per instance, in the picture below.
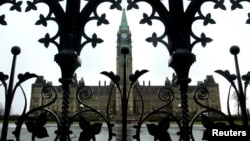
{"points": [[71, 22]]}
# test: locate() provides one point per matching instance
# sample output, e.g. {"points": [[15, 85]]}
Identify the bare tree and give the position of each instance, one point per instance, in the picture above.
{"points": [[1, 109], [234, 97]]}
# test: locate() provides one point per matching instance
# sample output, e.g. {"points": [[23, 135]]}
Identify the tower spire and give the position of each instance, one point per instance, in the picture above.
{"points": [[124, 68], [124, 22]]}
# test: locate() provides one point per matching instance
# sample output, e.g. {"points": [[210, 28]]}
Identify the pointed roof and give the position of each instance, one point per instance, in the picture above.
{"points": [[40, 80], [124, 22]]}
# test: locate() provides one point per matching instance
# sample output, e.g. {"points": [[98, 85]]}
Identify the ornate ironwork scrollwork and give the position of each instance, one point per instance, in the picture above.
{"points": [[84, 93], [68, 41], [71, 22], [166, 95], [170, 20], [177, 23], [201, 95], [160, 131], [75, 23], [3, 78], [238, 88], [11, 90], [88, 131], [16, 5], [48, 92]]}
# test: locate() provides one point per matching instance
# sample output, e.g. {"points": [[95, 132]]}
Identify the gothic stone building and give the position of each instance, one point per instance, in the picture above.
{"points": [[100, 93]]}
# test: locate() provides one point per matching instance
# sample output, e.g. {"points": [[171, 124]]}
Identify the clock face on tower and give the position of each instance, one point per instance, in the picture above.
{"points": [[124, 35]]}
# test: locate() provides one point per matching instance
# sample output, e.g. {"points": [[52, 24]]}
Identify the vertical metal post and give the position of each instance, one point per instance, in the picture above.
{"points": [[181, 62], [9, 95], [69, 62], [185, 133], [178, 28], [64, 118], [71, 23], [124, 51], [242, 98], [124, 103]]}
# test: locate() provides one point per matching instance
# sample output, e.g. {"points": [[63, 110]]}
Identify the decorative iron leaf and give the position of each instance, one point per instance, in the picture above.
{"points": [[84, 124], [37, 127], [226, 74], [96, 128], [16, 6], [84, 137], [102, 20], [45, 40], [112, 76], [236, 4], [164, 137], [146, 19], [41, 133], [41, 120], [88, 131], [42, 20], [206, 134], [208, 20], [132, 4], [220, 4], [2, 20], [95, 40], [31, 6], [3, 77], [205, 40], [246, 77], [206, 121], [164, 124], [153, 39], [30, 125], [208, 131], [152, 129], [134, 77], [248, 20], [26, 76], [116, 4], [208, 124], [159, 132]]}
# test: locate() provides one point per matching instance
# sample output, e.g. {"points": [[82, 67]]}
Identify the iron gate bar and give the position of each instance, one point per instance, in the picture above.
{"points": [[241, 95], [11, 90], [178, 29], [71, 29], [91, 109], [10, 94], [201, 92], [71, 24], [167, 92], [48, 92], [124, 51]]}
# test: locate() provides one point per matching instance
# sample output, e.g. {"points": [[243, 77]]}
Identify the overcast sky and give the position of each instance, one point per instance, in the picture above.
{"points": [[230, 29]]}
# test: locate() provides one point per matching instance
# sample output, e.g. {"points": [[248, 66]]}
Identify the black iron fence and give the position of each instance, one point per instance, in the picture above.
{"points": [[178, 30]]}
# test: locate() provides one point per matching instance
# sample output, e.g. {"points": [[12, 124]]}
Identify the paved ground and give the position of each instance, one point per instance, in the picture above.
{"points": [[26, 136]]}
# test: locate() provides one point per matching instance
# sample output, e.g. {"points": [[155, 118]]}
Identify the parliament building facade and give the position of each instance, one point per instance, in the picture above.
{"points": [[150, 93]]}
